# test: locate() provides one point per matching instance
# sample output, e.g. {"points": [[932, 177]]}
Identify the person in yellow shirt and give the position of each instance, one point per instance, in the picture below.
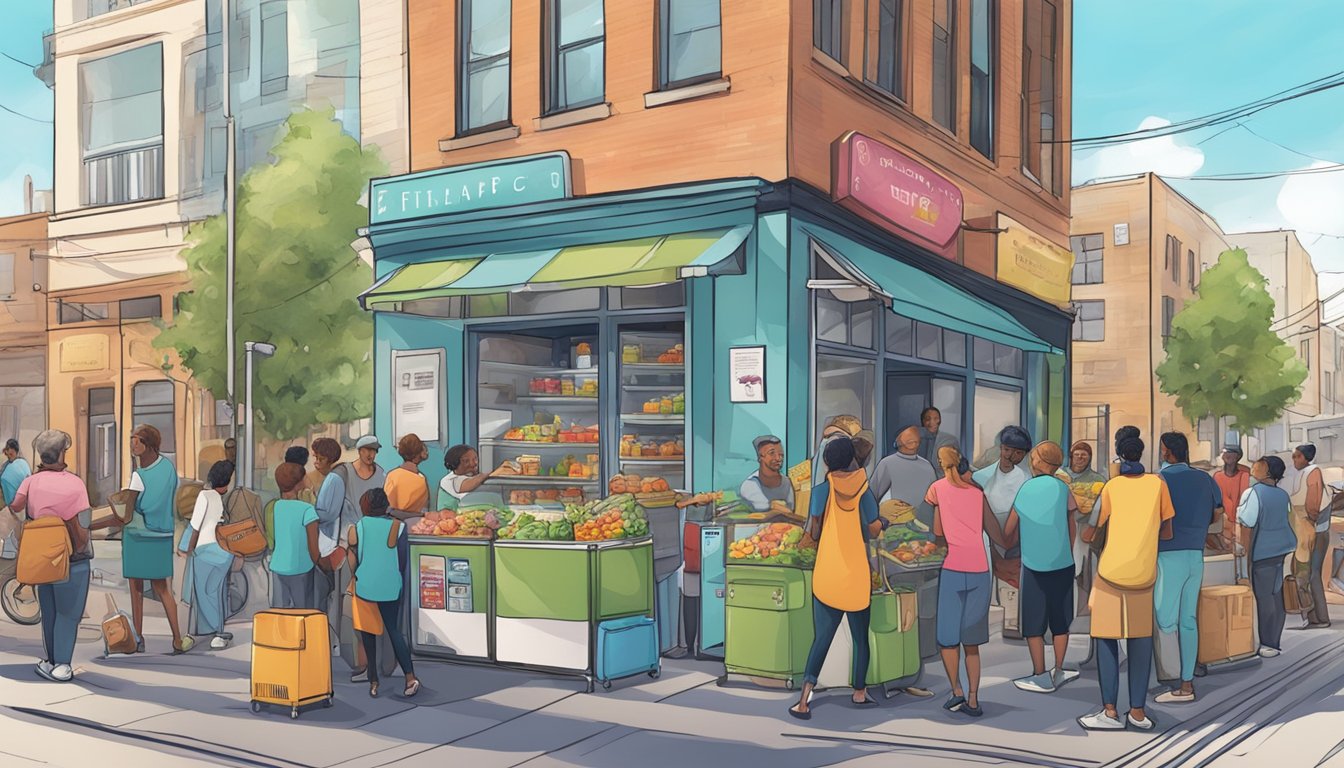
{"points": [[1135, 512]]}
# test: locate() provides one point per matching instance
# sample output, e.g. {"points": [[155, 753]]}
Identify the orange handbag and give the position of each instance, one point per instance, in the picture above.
{"points": [[364, 614]]}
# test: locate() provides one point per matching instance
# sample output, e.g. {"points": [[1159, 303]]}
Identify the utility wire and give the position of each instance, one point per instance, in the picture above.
{"points": [[25, 117], [18, 61]]}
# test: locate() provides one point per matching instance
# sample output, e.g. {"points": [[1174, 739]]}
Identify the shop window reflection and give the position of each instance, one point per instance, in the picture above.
{"points": [[900, 335], [994, 409], [845, 386]]}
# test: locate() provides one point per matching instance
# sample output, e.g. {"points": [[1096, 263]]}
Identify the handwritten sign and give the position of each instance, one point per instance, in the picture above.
{"points": [[466, 188], [897, 188], [1030, 262]]}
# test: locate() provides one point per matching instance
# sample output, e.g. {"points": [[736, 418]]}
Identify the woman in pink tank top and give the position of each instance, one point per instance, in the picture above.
{"points": [[961, 518]]}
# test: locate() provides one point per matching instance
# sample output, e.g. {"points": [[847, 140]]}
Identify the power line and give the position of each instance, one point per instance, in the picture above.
{"points": [[1247, 128], [18, 61], [25, 117], [1212, 119]]}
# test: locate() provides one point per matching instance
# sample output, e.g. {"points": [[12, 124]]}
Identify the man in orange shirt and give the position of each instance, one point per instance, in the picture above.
{"points": [[1234, 479]]}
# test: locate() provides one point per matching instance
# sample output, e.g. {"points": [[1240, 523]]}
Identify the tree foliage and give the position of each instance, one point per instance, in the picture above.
{"points": [[297, 279], [1222, 357]]}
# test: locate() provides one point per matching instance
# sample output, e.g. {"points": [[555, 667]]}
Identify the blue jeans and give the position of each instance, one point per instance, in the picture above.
{"points": [[62, 609], [1140, 653], [1180, 574], [825, 621]]}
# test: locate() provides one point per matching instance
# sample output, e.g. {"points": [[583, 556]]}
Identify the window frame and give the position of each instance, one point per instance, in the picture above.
{"points": [[837, 10], [872, 51], [554, 52], [8, 260], [139, 412], [1168, 315], [991, 77], [1190, 268], [466, 68], [664, 47], [1034, 68], [122, 304], [953, 66], [1081, 258], [1081, 324], [271, 12]]}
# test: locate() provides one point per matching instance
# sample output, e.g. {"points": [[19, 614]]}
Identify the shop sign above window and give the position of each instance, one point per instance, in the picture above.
{"points": [[898, 189], [466, 188], [1035, 265]]}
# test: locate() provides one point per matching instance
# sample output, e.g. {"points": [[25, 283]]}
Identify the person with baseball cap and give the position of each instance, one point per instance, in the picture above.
{"points": [[767, 484], [1232, 480]]}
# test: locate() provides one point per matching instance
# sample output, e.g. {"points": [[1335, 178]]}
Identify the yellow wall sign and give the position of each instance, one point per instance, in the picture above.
{"points": [[1032, 263], [83, 353]]}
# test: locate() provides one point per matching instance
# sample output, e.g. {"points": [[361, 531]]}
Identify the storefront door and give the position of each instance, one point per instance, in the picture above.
{"points": [[102, 455], [908, 394]]}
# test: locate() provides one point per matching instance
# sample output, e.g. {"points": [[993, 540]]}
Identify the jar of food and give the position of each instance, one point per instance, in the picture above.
{"points": [[636, 450], [653, 406], [631, 353], [567, 386]]}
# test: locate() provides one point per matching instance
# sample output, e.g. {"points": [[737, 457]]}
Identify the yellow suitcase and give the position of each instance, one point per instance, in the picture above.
{"points": [[291, 659]]}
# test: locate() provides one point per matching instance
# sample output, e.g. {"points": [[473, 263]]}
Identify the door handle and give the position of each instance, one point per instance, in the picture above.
{"points": [[777, 596], [731, 593]]}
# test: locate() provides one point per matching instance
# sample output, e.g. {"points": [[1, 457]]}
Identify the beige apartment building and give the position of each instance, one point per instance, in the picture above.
{"points": [[23, 326], [1283, 260], [1139, 248]]}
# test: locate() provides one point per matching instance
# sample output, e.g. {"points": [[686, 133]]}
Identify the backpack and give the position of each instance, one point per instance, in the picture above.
{"points": [[44, 552]]}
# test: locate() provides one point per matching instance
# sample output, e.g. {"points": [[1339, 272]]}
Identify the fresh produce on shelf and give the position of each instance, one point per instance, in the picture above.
{"points": [[560, 530], [915, 553], [636, 484], [782, 543], [476, 522], [677, 354], [521, 497], [575, 514], [899, 534]]}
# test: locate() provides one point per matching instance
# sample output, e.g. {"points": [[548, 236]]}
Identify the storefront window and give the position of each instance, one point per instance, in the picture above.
{"points": [[648, 297], [998, 358], [862, 318], [994, 409], [928, 342], [948, 397], [900, 335], [552, 302], [832, 316], [844, 387]]}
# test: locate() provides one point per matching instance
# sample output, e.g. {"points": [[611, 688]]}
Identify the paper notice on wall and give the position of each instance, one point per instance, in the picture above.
{"points": [[433, 595], [746, 374], [417, 383]]}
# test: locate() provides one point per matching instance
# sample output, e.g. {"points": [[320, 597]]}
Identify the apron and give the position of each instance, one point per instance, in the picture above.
{"points": [[1302, 525], [841, 578]]}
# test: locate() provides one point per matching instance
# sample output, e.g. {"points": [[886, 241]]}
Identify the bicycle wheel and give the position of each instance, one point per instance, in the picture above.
{"points": [[20, 603]]}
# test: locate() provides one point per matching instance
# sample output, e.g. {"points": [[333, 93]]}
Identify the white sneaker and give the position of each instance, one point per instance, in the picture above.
{"points": [[1146, 724], [1268, 653], [44, 669], [62, 673], [1063, 676], [1100, 721], [1042, 683], [219, 643]]}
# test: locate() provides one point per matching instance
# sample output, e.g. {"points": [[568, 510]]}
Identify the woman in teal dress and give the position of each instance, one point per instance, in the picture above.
{"points": [[147, 538]]}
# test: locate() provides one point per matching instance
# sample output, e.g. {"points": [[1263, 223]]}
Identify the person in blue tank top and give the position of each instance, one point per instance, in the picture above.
{"points": [[147, 536], [378, 580], [1265, 509]]}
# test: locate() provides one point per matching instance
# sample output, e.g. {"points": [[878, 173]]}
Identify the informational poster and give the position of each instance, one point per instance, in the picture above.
{"points": [[459, 586], [746, 372], [433, 579], [417, 391]]}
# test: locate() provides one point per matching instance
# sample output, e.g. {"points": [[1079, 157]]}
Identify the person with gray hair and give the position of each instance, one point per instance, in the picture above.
{"points": [[768, 483], [55, 492]]}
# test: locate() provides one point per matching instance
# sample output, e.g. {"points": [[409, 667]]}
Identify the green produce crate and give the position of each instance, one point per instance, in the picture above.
{"points": [[768, 621]]}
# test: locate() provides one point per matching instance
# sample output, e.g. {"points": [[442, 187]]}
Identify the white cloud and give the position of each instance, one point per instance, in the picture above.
{"points": [[1314, 202], [1162, 155]]}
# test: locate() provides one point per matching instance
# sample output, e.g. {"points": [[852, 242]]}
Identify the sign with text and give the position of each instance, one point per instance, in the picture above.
{"points": [[1030, 262], [466, 188], [417, 391], [83, 353], [898, 189]]}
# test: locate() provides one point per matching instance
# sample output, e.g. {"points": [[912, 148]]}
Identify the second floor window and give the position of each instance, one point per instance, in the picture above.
{"points": [[6, 276], [274, 48], [886, 46], [1087, 264], [577, 54], [690, 48], [483, 70], [984, 69], [1168, 314], [1089, 322], [828, 28], [945, 63], [121, 126], [1040, 82]]}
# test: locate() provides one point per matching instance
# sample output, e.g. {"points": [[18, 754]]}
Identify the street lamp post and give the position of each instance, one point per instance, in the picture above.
{"points": [[230, 207], [265, 350]]}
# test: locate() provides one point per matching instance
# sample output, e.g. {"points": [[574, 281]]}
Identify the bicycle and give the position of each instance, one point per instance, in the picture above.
{"points": [[19, 601]]}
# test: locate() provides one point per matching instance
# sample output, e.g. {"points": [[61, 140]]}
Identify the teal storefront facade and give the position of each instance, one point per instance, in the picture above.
{"points": [[500, 261]]}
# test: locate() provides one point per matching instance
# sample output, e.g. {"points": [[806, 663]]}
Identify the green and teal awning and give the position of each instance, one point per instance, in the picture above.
{"points": [[642, 261], [916, 294]]}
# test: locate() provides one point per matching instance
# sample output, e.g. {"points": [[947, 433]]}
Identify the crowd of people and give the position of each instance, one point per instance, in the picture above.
{"points": [[1136, 553]]}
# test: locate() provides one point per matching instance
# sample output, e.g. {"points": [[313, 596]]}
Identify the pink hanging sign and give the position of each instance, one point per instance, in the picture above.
{"points": [[900, 190]]}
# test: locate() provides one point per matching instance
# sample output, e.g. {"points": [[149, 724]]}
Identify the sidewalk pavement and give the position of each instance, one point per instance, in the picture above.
{"points": [[494, 717]]}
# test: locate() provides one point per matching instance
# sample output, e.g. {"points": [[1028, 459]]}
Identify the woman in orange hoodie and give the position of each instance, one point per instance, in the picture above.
{"points": [[842, 517]]}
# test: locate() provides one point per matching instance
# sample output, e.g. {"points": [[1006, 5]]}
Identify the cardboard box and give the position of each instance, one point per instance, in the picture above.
{"points": [[1226, 623]]}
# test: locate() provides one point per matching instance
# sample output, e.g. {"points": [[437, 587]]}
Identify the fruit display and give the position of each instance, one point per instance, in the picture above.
{"points": [[674, 356], [776, 543], [552, 432], [667, 405], [615, 517], [621, 484], [916, 553], [633, 448], [469, 522], [1086, 494], [563, 386]]}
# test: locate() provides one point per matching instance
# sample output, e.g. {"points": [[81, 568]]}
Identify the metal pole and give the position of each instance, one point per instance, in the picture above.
{"points": [[230, 215], [250, 465]]}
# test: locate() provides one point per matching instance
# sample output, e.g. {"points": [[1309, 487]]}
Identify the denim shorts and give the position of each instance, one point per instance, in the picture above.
{"points": [[963, 608]]}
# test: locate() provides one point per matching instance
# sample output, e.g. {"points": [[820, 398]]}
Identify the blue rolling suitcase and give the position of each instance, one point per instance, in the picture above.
{"points": [[626, 647]]}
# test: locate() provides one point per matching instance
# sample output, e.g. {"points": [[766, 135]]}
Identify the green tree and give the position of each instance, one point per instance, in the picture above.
{"points": [[297, 279], [1222, 358]]}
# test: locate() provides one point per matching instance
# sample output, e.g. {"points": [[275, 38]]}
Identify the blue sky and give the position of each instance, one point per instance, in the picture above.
{"points": [[26, 147], [1141, 59]]}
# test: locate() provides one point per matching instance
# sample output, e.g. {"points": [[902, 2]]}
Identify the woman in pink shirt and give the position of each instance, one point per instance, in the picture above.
{"points": [[961, 518], [55, 492]]}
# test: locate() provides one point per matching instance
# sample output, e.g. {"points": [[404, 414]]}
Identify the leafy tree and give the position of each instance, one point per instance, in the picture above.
{"points": [[297, 279], [1222, 358]]}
